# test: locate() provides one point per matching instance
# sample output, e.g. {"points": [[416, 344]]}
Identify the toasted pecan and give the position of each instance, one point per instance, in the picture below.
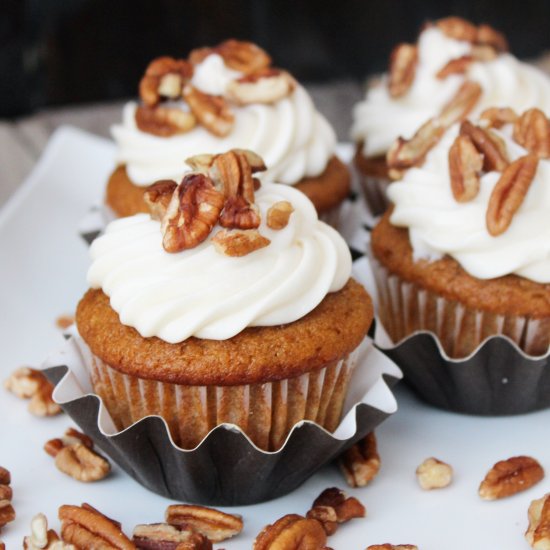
{"points": [[292, 532], [532, 131], [403, 62]]}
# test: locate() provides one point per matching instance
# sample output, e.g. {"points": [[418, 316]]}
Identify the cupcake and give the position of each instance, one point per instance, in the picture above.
{"points": [[221, 98], [230, 303], [464, 251], [451, 59]]}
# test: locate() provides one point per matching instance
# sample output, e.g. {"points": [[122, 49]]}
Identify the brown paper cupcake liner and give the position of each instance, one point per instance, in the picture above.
{"points": [[218, 470], [374, 190]]}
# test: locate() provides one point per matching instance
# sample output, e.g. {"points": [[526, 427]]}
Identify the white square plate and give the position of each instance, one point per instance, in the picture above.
{"points": [[42, 275]]}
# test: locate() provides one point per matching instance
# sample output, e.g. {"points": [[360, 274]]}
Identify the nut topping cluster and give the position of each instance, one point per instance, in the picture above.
{"points": [[167, 78], [220, 190]]}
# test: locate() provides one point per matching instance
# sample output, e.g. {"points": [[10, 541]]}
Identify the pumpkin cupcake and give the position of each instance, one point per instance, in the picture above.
{"points": [[452, 58], [220, 98], [230, 303]]}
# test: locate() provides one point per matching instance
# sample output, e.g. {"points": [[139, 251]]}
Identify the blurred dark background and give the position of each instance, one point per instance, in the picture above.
{"points": [[61, 52]]}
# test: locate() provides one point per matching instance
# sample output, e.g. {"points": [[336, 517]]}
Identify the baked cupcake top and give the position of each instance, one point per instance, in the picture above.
{"points": [[218, 99], [482, 196], [218, 254], [424, 77]]}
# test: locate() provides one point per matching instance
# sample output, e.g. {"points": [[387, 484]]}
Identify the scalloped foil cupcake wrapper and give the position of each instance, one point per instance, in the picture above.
{"points": [[458, 359], [218, 470]]}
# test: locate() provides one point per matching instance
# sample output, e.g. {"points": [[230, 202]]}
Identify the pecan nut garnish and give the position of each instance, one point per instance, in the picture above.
{"points": [[267, 86], [164, 121], [509, 192], [164, 78], [497, 117], [509, 477], [538, 532], [192, 212], [461, 104], [211, 111], [457, 28], [239, 242], [162, 536], [7, 512], [434, 474], [465, 164], [388, 546], [81, 462], [361, 463], [332, 507], [458, 65], [291, 532], [245, 57], [157, 197], [488, 144], [86, 527], [279, 214], [213, 524], [403, 61], [489, 36], [71, 437], [532, 131]]}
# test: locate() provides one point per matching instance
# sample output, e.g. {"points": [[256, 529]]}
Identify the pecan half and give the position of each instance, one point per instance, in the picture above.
{"points": [[405, 153], [458, 28], [162, 536], [267, 86], [164, 77], [455, 66], [7, 513], [6, 492], [465, 164], [332, 507], [291, 532], [538, 532], [157, 197], [279, 214], [488, 144], [239, 242], [461, 104], [509, 477], [388, 546], [71, 437], [489, 36], [164, 121], [5, 476], [532, 131], [361, 463], [403, 61], [509, 192], [85, 527], [191, 214], [497, 117], [211, 111], [82, 463], [434, 474], [238, 213], [245, 57], [211, 523], [210, 164]]}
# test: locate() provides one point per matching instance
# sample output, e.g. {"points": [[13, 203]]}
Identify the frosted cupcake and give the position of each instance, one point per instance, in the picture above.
{"points": [[221, 98], [231, 302], [452, 59]]}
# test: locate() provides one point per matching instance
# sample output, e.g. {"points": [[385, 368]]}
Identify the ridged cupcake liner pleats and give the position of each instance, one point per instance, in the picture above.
{"points": [[265, 412], [332, 216], [374, 190]]}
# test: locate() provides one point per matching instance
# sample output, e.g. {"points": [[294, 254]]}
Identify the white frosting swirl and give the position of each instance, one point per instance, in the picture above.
{"points": [[293, 138], [201, 292], [505, 81], [439, 225]]}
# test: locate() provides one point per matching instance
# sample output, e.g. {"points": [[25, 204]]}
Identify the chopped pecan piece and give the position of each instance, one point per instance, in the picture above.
{"points": [[532, 131], [434, 474], [455, 66], [538, 532], [361, 462], [85, 527], [406, 153], [239, 242], [191, 214], [457, 28], [488, 144], [162, 536], [211, 111], [497, 117], [267, 86], [292, 532], [509, 477], [24, 382], [465, 164], [238, 213], [388, 546], [242, 56], [332, 507], [509, 192], [489, 36], [461, 104], [164, 77], [42, 538], [211, 523], [164, 121], [157, 197], [279, 214], [403, 61], [82, 463], [7, 513]]}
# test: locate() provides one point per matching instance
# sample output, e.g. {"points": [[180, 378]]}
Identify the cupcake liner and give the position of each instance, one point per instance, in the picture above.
{"points": [[265, 412], [374, 190], [496, 367], [218, 470]]}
